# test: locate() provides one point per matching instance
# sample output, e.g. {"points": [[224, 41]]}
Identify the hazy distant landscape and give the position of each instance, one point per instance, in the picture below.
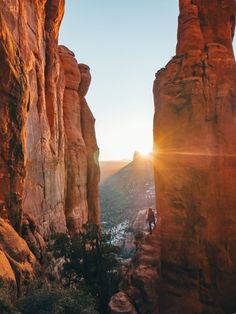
{"points": [[125, 195], [108, 168], [126, 191]]}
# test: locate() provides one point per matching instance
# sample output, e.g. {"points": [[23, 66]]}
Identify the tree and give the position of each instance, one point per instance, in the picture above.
{"points": [[90, 258]]}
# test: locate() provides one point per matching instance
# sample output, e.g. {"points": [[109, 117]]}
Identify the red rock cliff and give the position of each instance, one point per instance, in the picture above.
{"points": [[188, 265], [195, 163], [48, 171], [82, 170]]}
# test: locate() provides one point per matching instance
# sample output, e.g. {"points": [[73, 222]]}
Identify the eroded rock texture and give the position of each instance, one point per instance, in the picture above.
{"points": [[88, 132], [82, 176], [189, 264], [48, 177], [195, 167], [17, 263]]}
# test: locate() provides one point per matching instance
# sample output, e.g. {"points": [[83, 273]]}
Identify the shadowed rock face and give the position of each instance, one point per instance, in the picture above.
{"points": [[195, 163], [46, 172], [189, 264]]}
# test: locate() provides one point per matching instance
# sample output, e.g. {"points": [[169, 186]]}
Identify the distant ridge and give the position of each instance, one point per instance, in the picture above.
{"points": [[127, 191], [109, 167]]}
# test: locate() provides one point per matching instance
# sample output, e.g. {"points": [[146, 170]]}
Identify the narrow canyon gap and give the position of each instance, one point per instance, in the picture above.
{"points": [[48, 158], [189, 264]]}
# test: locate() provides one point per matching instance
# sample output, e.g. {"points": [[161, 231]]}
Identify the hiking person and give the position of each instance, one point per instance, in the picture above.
{"points": [[150, 219]]}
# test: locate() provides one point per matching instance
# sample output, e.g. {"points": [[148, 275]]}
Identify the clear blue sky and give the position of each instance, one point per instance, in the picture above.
{"points": [[124, 42]]}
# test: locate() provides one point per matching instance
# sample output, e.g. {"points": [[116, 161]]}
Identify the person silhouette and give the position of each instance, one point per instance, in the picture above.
{"points": [[150, 218]]}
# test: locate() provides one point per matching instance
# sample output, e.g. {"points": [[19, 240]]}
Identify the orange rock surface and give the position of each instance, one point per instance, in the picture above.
{"points": [[188, 265], [18, 264], [88, 131], [82, 170], [48, 176], [195, 163]]}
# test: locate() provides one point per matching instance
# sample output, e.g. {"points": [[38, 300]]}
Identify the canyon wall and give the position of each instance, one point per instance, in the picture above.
{"points": [[189, 264], [49, 169], [195, 162]]}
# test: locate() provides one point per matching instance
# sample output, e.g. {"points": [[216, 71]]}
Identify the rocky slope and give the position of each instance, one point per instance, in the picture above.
{"points": [[124, 198], [127, 191], [48, 152], [191, 268], [110, 167]]}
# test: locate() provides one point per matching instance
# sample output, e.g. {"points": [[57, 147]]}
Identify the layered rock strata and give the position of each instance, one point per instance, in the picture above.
{"points": [[48, 152], [195, 172]]}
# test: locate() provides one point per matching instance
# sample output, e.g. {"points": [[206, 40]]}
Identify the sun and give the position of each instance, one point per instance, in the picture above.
{"points": [[145, 153]]}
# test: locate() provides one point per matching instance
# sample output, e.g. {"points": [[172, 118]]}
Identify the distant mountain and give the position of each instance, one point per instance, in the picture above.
{"points": [[126, 192], [108, 168]]}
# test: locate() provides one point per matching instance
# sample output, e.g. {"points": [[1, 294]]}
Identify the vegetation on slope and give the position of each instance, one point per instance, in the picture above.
{"points": [[127, 191], [88, 276]]}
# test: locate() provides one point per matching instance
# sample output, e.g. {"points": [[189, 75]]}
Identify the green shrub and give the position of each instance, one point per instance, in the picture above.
{"points": [[57, 301], [6, 305], [89, 257]]}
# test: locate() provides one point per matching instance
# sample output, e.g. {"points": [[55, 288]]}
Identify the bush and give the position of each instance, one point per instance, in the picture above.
{"points": [[5, 303], [89, 257], [89, 277], [57, 301]]}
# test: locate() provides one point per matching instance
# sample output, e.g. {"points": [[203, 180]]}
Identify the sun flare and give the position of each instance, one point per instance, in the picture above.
{"points": [[145, 153]]}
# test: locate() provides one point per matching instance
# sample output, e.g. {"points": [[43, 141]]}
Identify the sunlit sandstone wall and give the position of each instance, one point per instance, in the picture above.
{"points": [[82, 170], [195, 162], [43, 174]]}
